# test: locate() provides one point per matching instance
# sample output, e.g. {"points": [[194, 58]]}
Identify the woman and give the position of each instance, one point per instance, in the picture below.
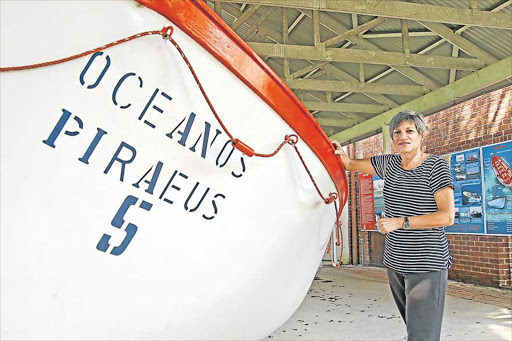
{"points": [[418, 196]]}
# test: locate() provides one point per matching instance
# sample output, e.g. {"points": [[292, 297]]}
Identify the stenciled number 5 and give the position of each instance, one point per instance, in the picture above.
{"points": [[118, 222]]}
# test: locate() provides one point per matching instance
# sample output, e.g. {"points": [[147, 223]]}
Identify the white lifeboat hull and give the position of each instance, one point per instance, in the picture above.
{"points": [[119, 219]]}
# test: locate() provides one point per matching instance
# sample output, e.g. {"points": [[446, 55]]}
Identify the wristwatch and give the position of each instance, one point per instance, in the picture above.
{"points": [[407, 224]]}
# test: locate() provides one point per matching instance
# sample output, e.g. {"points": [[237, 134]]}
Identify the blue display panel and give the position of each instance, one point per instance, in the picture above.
{"points": [[465, 168], [497, 184]]}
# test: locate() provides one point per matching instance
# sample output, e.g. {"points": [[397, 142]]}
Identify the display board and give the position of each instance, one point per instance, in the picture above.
{"points": [[378, 197], [366, 202], [497, 187], [371, 198], [483, 198], [465, 168], [482, 180]]}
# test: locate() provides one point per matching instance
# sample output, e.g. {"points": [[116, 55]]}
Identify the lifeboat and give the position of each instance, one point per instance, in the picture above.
{"points": [[501, 170], [130, 210]]}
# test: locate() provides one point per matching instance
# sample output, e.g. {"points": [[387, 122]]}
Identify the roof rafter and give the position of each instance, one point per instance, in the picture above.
{"points": [[405, 37], [397, 34], [460, 42], [336, 122], [295, 22], [342, 107], [284, 23], [342, 86], [241, 19], [364, 56], [453, 72], [354, 31], [333, 70], [258, 23], [308, 69], [217, 7]]}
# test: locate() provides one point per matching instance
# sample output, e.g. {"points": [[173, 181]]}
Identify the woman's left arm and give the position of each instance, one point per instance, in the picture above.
{"points": [[444, 216]]}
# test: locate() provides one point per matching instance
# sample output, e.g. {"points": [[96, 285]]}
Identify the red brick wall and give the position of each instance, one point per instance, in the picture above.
{"points": [[481, 259], [481, 121]]}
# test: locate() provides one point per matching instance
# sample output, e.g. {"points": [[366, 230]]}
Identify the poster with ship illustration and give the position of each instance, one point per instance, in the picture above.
{"points": [[465, 168], [378, 198], [497, 184]]}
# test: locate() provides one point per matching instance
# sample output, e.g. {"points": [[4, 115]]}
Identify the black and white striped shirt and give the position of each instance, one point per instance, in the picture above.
{"points": [[411, 193]]}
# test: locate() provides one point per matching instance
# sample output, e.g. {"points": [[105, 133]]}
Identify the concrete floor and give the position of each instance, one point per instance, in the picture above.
{"points": [[354, 303]]}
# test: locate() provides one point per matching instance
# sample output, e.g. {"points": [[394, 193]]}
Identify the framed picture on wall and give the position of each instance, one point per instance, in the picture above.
{"points": [[498, 191], [482, 179], [465, 167]]}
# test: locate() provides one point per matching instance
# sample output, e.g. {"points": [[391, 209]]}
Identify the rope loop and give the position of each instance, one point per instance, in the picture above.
{"points": [[332, 197], [167, 32], [291, 139]]}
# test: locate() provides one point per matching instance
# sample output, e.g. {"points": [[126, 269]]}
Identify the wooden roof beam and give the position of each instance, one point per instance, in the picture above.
{"points": [[397, 34], [316, 27], [333, 70], [356, 30], [217, 7], [453, 72], [460, 42], [241, 19], [286, 61], [405, 37], [296, 22], [342, 107], [364, 56], [341, 86], [398, 9], [308, 69], [256, 25], [336, 122]]}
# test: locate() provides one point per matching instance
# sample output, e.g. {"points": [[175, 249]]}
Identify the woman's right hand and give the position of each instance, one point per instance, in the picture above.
{"points": [[337, 148], [358, 165]]}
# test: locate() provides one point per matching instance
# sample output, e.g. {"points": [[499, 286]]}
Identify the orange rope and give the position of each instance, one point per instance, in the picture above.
{"points": [[166, 33], [59, 61], [332, 196], [290, 139]]}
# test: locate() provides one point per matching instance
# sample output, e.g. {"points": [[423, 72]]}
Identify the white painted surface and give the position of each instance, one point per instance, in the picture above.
{"points": [[55, 209]]}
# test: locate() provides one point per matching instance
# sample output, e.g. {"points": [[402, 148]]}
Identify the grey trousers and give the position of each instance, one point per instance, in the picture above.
{"points": [[420, 300]]}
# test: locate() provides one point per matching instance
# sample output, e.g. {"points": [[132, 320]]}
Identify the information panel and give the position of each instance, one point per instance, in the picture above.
{"points": [[497, 184], [366, 202], [378, 197], [466, 173], [482, 179]]}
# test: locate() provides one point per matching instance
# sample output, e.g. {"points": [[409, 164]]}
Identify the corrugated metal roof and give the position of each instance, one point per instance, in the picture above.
{"points": [[494, 41]]}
